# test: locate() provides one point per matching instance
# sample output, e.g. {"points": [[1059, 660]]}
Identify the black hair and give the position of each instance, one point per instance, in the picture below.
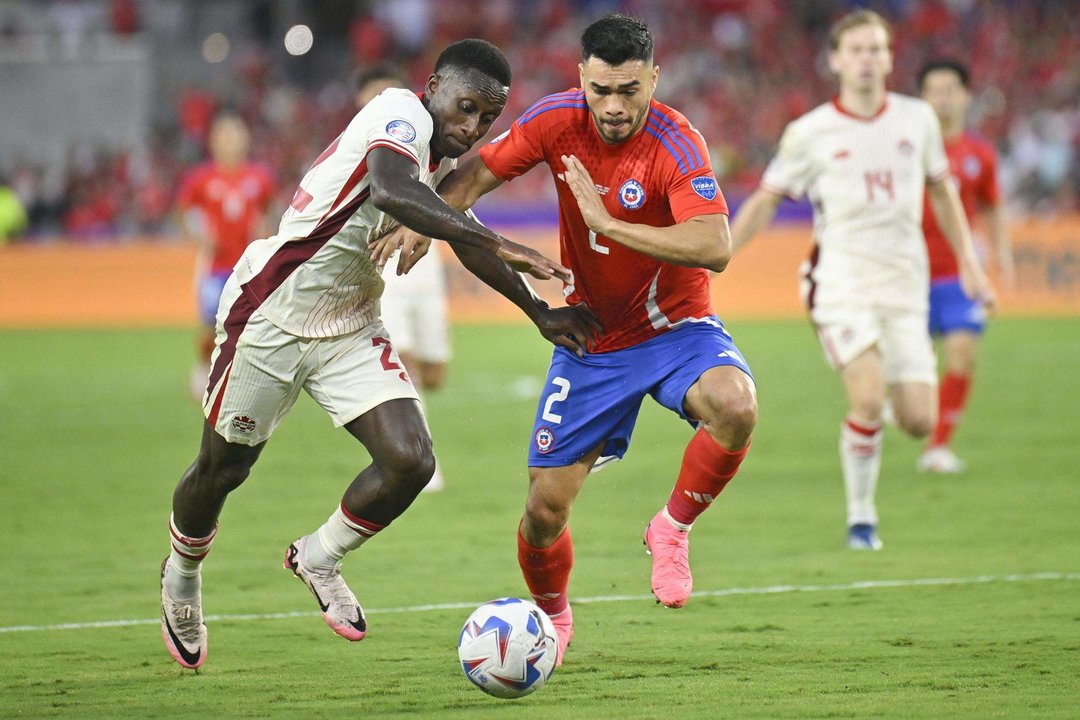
{"points": [[616, 39], [476, 54], [377, 72], [945, 64]]}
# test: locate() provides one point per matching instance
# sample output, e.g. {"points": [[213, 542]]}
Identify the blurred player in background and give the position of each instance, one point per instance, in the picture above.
{"points": [[641, 222], [865, 158], [954, 317], [414, 305], [300, 311], [223, 206]]}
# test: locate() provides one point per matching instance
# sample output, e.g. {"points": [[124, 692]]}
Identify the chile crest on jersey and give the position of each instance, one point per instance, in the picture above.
{"points": [[631, 194]]}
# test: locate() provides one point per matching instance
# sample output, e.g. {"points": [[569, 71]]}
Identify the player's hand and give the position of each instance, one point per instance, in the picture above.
{"points": [[977, 286], [574, 328], [526, 260], [413, 247], [588, 199]]}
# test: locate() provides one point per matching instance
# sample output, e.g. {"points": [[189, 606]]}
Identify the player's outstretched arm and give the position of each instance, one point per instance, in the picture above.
{"points": [[465, 185], [949, 213], [756, 212], [700, 241], [397, 191]]}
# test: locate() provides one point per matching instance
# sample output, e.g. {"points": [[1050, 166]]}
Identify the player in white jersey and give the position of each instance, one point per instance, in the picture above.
{"points": [[414, 305], [864, 159], [301, 311]]}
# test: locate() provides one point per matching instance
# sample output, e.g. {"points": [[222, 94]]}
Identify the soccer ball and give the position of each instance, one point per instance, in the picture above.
{"points": [[507, 647]]}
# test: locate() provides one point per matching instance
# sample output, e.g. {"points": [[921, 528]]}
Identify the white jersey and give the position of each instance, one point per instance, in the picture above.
{"points": [[314, 277], [865, 178]]}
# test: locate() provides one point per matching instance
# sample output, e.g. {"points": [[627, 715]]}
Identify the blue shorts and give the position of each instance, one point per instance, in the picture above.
{"points": [[595, 399], [952, 310], [210, 287]]}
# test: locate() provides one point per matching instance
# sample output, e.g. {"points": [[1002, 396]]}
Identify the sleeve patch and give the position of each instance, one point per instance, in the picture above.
{"points": [[401, 130], [705, 186]]}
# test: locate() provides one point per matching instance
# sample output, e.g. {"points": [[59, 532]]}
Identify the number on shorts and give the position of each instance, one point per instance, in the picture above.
{"points": [[387, 364], [564, 389]]}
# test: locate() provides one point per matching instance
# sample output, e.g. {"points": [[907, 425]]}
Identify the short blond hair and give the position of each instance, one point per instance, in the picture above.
{"points": [[854, 20]]}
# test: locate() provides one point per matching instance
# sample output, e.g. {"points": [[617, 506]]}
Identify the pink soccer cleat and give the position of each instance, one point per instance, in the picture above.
{"points": [[182, 627], [670, 550], [339, 607], [564, 630]]}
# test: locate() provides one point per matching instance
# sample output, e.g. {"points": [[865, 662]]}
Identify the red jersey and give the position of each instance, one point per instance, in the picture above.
{"points": [[973, 163], [661, 176], [232, 203]]}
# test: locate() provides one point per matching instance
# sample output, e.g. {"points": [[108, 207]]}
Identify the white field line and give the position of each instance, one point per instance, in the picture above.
{"points": [[769, 590]]}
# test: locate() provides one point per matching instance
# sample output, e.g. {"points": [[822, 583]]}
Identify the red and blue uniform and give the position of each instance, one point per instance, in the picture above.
{"points": [[660, 332], [973, 163], [232, 202]]}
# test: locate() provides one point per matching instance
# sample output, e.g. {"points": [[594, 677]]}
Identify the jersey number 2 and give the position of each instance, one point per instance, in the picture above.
{"points": [[564, 389], [597, 246], [388, 364]]}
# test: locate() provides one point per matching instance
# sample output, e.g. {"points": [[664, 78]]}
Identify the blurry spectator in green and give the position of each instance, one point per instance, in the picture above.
{"points": [[12, 214]]}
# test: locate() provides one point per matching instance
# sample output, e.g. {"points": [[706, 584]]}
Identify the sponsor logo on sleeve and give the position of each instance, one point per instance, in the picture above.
{"points": [[401, 130], [631, 194], [705, 186]]}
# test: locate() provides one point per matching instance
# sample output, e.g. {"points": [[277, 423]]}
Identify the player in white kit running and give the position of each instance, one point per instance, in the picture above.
{"points": [[864, 159], [414, 305], [301, 311]]}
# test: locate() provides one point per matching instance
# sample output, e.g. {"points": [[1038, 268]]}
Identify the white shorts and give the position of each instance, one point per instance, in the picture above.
{"points": [[256, 377], [414, 311], [901, 336]]}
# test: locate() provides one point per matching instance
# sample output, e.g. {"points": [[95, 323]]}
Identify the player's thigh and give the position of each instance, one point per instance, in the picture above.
{"points": [[255, 377], [960, 350], [586, 402], [864, 384], [354, 373]]}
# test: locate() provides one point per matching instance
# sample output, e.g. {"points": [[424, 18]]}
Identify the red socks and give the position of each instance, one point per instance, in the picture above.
{"points": [[706, 469], [952, 397], [547, 571]]}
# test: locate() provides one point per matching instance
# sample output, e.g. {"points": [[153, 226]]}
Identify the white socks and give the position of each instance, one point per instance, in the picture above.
{"points": [[182, 577], [860, 458], [341, 533]]}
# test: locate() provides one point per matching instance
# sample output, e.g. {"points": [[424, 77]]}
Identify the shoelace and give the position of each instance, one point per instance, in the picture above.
{"points": [[187, 619]]}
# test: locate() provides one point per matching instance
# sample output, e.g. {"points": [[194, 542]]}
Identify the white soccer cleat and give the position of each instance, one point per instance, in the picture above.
{"points": [[339, 607], [182, 627], [940, 459]]}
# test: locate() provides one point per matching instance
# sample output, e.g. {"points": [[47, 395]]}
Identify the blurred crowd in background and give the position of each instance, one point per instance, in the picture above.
{"points": [[738, 69]]}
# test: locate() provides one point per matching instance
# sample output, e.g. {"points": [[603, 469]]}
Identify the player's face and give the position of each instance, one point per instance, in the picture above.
{"points": [[463, 106], [862, 60], [947, 95], [618, 96], [229, 141], [367, 93]]}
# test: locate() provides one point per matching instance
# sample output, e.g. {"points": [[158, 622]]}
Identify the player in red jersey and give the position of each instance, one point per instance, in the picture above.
{"points": [[641, 223], [954, 317], [223, 206]]}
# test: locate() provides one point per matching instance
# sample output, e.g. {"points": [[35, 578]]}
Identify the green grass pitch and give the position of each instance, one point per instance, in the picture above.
{"points": [[95, 429]]}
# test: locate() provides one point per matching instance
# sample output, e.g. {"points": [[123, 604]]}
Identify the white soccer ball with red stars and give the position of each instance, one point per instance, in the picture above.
{"points": [[507, 647]]}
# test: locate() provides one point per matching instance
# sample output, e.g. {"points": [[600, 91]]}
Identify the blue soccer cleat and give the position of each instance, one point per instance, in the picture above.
{"points": [[863, 536]]}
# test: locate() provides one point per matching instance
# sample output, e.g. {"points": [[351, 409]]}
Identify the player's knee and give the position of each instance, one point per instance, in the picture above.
{"points": [[220, 476], [733, 414], [545, 517], [408, 459], [868, 408], [917, 426]]}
